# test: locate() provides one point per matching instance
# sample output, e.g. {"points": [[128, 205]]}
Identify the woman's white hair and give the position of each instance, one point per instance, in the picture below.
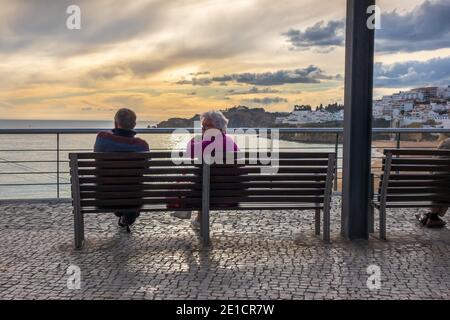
{"points": [[217, 120]]}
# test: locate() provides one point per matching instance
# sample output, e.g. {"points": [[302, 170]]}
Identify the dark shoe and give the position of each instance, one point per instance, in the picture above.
{"points": [[423, 218], [123, 224], [120, 223], [435, 221]]}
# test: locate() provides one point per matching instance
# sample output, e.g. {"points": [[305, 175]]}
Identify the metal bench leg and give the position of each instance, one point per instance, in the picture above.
{"points": [[317, 222], [371, 206], [204, 231], [383, 223], [199, 219], [371, 218], [326, 224], [79, 229], [204, 228]]}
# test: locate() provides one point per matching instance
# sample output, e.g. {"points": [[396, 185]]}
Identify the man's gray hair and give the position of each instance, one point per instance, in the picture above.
{"points": [[125, 119], [217, 119]]}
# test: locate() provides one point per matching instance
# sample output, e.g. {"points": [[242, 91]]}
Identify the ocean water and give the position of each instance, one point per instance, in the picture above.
{"points": [[30, 159]]}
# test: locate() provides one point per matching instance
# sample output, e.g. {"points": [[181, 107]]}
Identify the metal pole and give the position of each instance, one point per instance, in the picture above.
{"points": [[359, 56]]}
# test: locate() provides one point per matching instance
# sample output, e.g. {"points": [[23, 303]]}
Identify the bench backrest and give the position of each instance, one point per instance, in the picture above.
{"points": [[105, 182], [131, 181], [415, 176], [300, 179]]}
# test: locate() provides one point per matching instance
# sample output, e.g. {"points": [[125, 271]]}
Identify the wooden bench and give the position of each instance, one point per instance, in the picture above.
{"points": [[412, 178], [113, 182], [121, 182], [303, 181]]}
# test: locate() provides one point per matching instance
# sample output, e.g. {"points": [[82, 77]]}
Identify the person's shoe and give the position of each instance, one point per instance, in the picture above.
{"points": [[181, 214], [123, 224], [195, 224], [423, 218], [120, 223], [435, 221]]}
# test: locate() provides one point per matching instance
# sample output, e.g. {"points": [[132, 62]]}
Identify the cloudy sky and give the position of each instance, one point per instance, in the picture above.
{"points": [[181, 57]]}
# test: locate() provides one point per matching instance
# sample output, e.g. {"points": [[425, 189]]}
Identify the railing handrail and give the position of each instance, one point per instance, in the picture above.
{"points": [[230, 130], [59, 131]]}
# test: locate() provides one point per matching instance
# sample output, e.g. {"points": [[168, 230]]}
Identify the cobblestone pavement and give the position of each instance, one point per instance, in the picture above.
{"points": [[254, 254]]}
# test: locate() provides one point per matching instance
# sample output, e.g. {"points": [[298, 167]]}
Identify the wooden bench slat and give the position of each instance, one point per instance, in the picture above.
{"points": [[122, 155], [268, 206], [278, 177], [145, 208], [133, 180], [419, 161], [418, 190], [425, 176], [266, 199], [279, 162], [113, 164], [132, 164], [261, 192], [142, 186], [136, 172], [140, 194], [257, 170], [420, 168], [268, 185], [410, 204], [417, 197], [421, 183], [280, 155], [418, 152], [138, 202]]}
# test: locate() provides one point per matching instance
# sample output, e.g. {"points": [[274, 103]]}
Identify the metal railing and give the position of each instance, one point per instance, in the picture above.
{"points": [[23, 166]]}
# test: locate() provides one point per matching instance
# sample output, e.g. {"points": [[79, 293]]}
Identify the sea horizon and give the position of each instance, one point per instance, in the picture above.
{"points": [[64, 124]]}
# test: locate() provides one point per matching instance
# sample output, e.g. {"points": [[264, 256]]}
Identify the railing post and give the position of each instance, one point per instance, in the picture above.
{"points": [[76, 202], [57, 165], [398, 140], [336, 149]]}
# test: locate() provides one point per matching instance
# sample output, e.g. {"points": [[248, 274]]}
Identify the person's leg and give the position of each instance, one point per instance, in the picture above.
{"points": [[130, 217], [120, 222]]}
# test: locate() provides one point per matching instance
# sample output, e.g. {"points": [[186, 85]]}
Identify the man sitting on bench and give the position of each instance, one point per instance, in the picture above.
{"points": [[432, 219], [122, 139]]}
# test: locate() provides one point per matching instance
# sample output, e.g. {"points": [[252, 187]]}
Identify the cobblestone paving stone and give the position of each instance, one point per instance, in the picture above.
{"points": [[254, 255]]}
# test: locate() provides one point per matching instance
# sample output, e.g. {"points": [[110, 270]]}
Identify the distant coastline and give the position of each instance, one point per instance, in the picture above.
{"points": [[244, 117]]}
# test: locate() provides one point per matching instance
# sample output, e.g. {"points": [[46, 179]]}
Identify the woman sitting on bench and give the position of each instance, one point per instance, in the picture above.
{"points": [[214, 137]]}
